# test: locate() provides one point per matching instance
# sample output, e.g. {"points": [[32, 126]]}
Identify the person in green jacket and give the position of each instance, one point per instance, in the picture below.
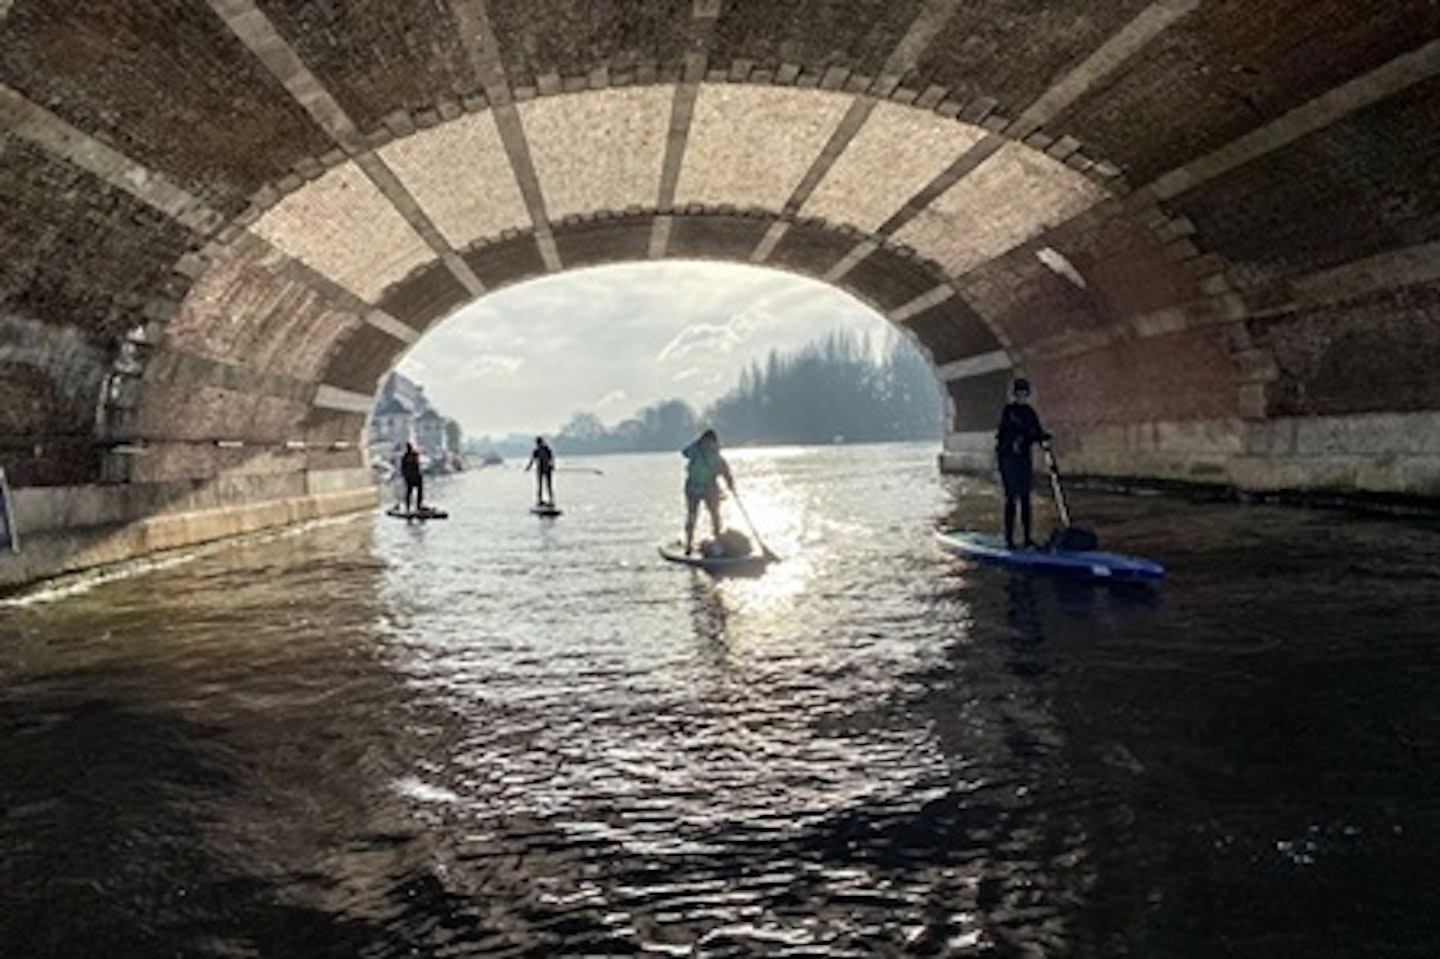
{"points": [[704, 468]]}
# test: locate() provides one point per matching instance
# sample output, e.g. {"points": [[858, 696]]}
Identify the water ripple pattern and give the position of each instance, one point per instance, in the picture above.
{"points": [[506, 735]]}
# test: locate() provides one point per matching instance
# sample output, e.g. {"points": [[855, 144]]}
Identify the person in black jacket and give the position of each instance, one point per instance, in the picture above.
{"points": [[413, 478], [543, 459], [1019, 430]]}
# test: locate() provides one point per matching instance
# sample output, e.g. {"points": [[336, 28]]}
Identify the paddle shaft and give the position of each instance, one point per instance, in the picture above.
{"points": [[751, 523], [1055, 485]]}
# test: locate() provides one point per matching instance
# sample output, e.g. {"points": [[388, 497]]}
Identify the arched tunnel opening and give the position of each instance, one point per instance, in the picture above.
{"points": [[227, 218], [590, 356], [1207, 231]]}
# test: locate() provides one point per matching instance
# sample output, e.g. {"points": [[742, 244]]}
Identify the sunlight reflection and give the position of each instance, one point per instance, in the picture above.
{"points": [[769, 509]]}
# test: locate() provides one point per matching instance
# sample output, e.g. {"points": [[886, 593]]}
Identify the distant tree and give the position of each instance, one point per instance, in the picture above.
{"points": [[834, 388], [831, 389], [583, 432]]}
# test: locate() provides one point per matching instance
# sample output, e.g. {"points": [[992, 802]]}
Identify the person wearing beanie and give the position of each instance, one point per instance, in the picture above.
{"points": [[1018, 432]]}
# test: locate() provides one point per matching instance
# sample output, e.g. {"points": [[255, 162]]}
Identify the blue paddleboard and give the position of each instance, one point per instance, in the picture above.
{"points": [[1095, 564]]}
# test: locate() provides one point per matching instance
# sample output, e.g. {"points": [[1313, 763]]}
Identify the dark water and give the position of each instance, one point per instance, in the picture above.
{"points": [[506, 736]]}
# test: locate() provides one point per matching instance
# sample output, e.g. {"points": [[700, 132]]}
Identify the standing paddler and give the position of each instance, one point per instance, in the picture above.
{"points": [[704, 467]]}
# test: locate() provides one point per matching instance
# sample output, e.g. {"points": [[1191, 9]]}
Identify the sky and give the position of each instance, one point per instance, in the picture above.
{"points": [[611, 340]]}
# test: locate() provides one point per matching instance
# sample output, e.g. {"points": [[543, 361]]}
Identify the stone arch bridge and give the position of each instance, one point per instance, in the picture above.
{"points": [[1208, 230]]}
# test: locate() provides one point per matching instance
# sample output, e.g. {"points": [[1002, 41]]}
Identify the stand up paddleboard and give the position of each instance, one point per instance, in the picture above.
{"points": [[748, 565], [1092, 564], [546, 509], [427, 512]]}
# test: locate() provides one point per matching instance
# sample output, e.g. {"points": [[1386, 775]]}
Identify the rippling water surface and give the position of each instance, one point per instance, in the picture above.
{"points": [[503, 735]]}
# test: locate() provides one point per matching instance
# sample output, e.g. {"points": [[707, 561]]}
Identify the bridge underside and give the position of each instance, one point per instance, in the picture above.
{"points": [[1209, 232]]}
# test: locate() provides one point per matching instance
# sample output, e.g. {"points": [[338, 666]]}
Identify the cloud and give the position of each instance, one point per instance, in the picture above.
{"points": [[700, 339], [524, 358], [494, 363], [610, 399]]}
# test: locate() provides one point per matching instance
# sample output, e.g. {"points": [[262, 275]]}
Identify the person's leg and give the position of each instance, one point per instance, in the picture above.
{"points": [[692, 509], [550, 487], [712, 504], [1025, 482], [409, 494], [419, 493], [1007, 483]]}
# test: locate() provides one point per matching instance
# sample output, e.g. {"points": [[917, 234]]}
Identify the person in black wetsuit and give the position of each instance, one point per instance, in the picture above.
{"points": [[543, 459], [414, 479], [1019, 430]]}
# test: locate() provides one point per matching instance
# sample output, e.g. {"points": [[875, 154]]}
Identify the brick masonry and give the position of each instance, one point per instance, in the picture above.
{"points": [[1375, 355], [167, 85], [1367, 184], [192, 243], [1230, 68]]}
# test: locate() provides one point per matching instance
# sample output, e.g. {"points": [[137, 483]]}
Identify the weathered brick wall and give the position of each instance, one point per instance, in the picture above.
{"points": [[1367, 184], [1378, 354], [361, 359], [379, 56], [1157, 379], [1231, 67], [977, 401], [75, 251], [244, 310], [46, 436], [424, 296], [544, 38], [815, 34], [1010, 53], [952, 330], [167, 85]]}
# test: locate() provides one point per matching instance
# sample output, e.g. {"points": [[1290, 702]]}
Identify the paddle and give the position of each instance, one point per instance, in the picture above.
{"points": [[1067, 537], [765, 550], [579, 469]]}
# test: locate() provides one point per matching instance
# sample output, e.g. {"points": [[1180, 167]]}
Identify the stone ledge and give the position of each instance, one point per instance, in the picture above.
{"points": [[41, 509], [57, 552], [1394, 455]]}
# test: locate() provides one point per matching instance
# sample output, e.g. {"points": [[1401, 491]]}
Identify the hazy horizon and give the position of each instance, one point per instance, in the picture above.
{"points": [[611, 340]]}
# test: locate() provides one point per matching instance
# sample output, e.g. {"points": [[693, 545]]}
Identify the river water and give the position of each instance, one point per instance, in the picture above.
{"points": [[499, 735]]}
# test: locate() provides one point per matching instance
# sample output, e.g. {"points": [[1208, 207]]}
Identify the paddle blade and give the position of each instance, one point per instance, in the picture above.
{"points": [[1073, 539]]}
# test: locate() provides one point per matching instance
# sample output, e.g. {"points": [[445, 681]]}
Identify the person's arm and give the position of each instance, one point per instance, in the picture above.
{"points": [[1042, 436]]}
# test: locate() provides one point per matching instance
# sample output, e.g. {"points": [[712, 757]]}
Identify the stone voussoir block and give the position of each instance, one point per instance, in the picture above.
{"points": [[931, 97], [978, 109], [398, 122]]}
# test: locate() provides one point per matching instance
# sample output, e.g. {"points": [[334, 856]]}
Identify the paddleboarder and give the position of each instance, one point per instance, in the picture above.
{"points": [[413, 477], [1019, 430], [704, 468], [543, 459]]}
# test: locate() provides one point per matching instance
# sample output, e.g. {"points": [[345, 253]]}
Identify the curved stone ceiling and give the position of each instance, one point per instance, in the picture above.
{"points": [[1207, 231]]}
